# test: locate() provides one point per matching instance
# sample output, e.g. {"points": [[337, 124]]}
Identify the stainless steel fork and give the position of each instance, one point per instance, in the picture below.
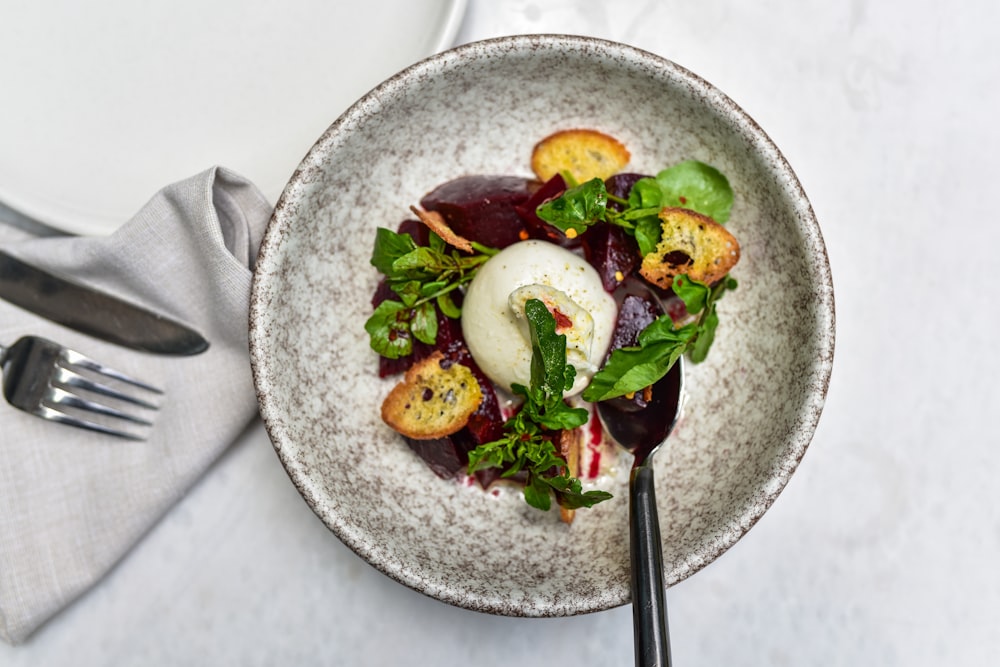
{"points": [[50, 381]]}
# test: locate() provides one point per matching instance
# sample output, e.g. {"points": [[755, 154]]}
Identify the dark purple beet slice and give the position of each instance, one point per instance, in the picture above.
{"points": [[637, 308], [634, 315], [607, 247], [481, 208], [416, 229], [440, 454], [612, 252]]}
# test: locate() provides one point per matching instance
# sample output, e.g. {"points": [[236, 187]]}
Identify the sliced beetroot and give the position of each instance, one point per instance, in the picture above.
{"points": [[482, 208], [416, 229], [637, 308], [608, 248], [612, 252], [634, 315], [440, 454]]}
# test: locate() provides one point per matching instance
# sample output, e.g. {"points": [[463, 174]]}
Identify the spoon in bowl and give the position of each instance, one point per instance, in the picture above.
{"points": [[642, 431]]}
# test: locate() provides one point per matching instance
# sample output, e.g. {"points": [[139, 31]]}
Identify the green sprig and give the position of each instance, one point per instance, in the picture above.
{"points": [[690, 184], [423, 277], [662, 343], [527, 444]]}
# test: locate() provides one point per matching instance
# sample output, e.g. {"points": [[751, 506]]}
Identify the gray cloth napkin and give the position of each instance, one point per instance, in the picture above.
{"points": [[72, 502]]}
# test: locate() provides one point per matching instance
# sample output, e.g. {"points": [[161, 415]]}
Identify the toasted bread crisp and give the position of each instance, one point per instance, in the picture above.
{"points": [[691, 244], [435, 399], [585, 154]]}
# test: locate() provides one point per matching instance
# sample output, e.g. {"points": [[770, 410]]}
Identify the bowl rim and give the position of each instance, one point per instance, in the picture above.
{"points": [[817, 257]]}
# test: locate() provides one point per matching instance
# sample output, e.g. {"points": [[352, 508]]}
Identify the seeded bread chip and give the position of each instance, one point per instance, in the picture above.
{"points": [[585, 154], [691, 244], [435, 399]]}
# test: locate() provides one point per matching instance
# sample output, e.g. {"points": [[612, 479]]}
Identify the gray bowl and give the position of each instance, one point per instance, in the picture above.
{"points": [[751, 409]]}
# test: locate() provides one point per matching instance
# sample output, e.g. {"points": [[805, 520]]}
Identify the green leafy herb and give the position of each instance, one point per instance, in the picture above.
{"points": [[661, 344], [422, 277], [697, 186], [577, 208], [691, 184], [527, 444]]}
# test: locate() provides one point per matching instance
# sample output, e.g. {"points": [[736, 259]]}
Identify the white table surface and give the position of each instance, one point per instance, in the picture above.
{"points": [[883, 550]]}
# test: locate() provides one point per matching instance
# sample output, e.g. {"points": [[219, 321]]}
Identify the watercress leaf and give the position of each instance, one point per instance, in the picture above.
{"points": [[448, 307], [569, 376], [549, 370], [389, 246], [577, 208], [559, 416], [570, 495], [646, 193], [694, 294], [389, 330], [537, 493], [564, 484], [424, 324], [706, 335], [407, 290], [419, 259], [542, 454], [488, 455], [432, 288], [648, 231], [572, 500], [631, 369], [436, 243], [697, 186], [662, 330]]}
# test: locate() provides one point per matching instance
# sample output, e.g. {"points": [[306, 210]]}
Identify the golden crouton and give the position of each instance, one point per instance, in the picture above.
{"points": [[435, 399], [585, 154], [691, 244]]}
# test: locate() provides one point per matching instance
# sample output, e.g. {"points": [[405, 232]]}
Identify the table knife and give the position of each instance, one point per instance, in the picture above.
{"points": [[94, 312]]}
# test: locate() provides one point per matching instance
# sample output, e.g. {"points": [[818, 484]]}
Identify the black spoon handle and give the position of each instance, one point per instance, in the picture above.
{"points": [[649, 600]]}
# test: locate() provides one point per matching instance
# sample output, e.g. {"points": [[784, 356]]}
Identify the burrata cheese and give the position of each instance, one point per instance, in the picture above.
{"points": [[495, 327]]}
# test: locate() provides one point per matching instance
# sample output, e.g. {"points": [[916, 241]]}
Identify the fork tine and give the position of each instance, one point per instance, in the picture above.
{"points": [[54, 415], [76, 359], [61, 397], [71, 378]]}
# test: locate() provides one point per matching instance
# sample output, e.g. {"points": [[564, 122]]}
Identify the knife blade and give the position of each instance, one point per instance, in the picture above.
{"points": [[94, 312]]}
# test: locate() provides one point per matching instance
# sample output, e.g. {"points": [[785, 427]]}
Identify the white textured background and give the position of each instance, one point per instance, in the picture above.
{"points": [[885, 547]]}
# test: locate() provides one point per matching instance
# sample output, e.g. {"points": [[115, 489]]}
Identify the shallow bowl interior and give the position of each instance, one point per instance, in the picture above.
{"points": [[752, 406]]}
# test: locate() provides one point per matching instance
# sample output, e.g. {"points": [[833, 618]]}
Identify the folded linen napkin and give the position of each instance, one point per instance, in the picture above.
{"points": [[73, 502]]}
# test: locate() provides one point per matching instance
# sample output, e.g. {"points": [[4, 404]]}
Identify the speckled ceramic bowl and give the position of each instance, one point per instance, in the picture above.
{"points": [[752, 407]]}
